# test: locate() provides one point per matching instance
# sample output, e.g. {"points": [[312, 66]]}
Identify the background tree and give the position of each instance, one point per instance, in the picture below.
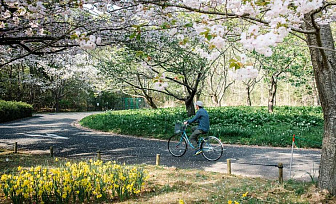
{"points": [[217, 78], [122, 69], [163, 64], [285, 59]]}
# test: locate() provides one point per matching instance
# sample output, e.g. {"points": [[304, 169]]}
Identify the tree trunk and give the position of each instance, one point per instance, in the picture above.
{"points": [[214, 99], [150, 102], [324, 65], [145, 92], [271, 94], [190, 107], [249, 103], [9, 97], [57, 109]]}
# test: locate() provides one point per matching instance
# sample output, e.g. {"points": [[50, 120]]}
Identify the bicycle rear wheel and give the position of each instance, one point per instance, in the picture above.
{"points": [[212, 148], [177, 145]]}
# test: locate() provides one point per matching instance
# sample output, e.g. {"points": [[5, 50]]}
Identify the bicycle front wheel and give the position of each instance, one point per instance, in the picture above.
{"points": [[177, 145], [212, 148]]}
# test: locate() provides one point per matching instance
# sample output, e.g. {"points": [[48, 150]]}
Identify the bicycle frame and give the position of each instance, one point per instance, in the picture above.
{"points": [[185, 136]]}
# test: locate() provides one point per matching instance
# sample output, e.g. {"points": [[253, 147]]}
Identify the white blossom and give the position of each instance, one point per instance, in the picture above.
{"points": [[243, 58], [6, 14], [253, 29], [29, 32], [244, 73], [192, 3], [218, 42], [33, 24], [173, 31], [99, 40]]}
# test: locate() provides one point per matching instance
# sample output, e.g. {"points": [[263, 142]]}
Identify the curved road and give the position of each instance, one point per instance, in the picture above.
{"points": [[61, 131]]}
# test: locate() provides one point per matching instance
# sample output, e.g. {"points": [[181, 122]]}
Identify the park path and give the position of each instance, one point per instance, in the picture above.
{"points": [[68, 139]]}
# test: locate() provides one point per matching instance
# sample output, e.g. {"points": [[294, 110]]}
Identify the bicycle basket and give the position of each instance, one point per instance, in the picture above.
{"points": [[178, 128]]}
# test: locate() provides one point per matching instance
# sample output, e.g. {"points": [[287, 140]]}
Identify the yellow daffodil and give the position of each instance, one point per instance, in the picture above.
{"points": [[83, 178], [229, 201]]}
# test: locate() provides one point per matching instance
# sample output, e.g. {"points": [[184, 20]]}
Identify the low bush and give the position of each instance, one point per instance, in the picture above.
{"points": [[11, 110], [235, 125]]}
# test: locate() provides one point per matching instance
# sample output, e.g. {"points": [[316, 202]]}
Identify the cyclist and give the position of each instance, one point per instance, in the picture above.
{"points": [[202, 117]]}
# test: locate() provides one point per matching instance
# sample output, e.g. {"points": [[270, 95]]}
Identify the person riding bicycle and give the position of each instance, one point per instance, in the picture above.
{"points": [[202, 117]]}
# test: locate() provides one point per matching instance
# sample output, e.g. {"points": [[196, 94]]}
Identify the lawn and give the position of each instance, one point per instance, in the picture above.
{"points": [[233, 125]]}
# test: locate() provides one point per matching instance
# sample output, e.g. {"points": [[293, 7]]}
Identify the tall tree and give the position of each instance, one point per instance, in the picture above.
{"points": [[126, 73], [166, 64], [309, 17], [286, 58], [217, 78]]}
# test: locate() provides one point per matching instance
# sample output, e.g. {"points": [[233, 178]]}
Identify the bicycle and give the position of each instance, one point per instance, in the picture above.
{"points": [[211, 146]]}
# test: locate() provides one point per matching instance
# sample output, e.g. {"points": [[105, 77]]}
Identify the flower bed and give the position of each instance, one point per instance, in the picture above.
{"points": [[83, 181]]}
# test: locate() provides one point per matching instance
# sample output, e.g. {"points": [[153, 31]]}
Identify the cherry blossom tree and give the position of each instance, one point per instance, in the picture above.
{"points": [[44, 27], [63, 74], [169, 69], [24, 23], [126, 73], [271, 21]]}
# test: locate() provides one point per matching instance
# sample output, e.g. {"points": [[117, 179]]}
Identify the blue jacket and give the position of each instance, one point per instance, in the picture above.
{"points": [[202, 117]]}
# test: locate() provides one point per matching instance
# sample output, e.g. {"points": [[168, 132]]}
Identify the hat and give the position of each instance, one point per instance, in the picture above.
{"points": [[199, 103]]}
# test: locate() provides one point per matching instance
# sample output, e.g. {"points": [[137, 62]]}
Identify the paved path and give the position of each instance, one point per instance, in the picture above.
{"points": [[60, 131]]}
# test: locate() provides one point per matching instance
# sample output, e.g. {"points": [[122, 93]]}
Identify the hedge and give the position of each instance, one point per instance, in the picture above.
{"points": [[11, 110]]}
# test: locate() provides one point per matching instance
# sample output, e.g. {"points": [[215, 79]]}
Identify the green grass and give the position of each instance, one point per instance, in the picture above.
{"points": [[10, 161], [233, 125]]}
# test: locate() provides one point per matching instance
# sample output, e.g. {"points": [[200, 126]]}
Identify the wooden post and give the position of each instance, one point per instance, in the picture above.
{"points": [[228, 166], [99, 155], [15, 147], [51, 151], [157, 159], [280, 166]]}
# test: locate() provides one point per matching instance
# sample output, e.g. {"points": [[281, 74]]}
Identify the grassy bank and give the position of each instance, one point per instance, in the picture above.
{"points": [[233, 125], [172, 185]]}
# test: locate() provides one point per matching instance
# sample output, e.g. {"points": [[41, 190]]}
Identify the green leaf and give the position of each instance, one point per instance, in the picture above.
{"points": [[188, 25], [208, 36], [138, 36], [233, 63], [262, 2], [133, 35], [73, 36], [205, 32], [139, 53], [165, 25]]}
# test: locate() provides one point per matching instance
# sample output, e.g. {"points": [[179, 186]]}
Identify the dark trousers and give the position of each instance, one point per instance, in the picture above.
{"points": [[194, 136]]}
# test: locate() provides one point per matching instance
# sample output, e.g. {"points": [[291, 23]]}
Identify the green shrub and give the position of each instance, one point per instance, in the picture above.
{"points": [[10, 110], [239, 125]]}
